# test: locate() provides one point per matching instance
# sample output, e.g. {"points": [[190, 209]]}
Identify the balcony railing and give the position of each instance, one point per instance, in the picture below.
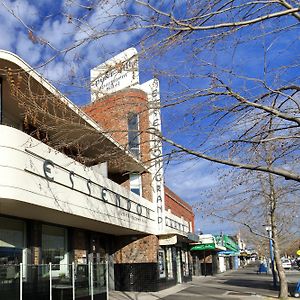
{"points": [[54, 282]]}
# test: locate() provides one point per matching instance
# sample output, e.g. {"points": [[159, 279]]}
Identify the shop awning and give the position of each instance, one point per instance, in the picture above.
{"points": [[202, 247]]}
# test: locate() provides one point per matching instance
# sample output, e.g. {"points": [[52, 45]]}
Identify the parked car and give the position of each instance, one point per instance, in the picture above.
{"points": [[286, 263]]}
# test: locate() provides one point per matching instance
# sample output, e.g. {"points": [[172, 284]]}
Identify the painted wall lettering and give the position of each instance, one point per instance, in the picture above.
{"points": [[115, 74]]}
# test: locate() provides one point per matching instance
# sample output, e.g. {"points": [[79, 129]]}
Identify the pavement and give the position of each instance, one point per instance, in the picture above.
{"points": [[242, 284]]}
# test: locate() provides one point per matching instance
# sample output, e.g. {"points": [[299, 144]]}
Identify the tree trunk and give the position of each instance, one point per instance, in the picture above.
{"points": [[283, 285]]}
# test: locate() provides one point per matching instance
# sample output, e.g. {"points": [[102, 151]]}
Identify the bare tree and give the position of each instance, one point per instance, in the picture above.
{"points": [[211, 86], [229, 72]]}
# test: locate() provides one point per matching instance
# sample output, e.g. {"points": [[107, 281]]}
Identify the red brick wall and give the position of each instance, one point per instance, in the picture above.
{"points": [[111, 113], [179, 207]]}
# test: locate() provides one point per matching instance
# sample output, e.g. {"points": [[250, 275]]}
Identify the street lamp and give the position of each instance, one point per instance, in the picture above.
{"points": [[269, 230]]}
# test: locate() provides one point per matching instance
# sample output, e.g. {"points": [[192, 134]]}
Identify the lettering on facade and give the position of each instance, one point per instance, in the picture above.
{"points": [[151, 87], [69, 179], [115, 74], [176, 225], [48, 167]]}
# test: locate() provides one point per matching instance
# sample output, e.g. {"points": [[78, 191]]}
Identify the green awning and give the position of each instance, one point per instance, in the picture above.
{"points": [[200, 247]]}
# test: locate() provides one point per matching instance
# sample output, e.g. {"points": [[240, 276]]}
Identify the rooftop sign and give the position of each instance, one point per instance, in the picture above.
{"points": [[115, 74]]}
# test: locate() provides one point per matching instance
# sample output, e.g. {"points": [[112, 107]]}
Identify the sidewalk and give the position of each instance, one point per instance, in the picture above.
{"points": [[115, 295], [242, 284]]}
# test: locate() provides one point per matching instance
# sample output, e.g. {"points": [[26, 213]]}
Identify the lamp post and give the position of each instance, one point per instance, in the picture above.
{"points": [[269, 230]]}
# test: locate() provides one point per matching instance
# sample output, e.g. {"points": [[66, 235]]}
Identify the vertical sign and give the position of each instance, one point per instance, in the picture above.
{"points": [[115, 74], [151, 87]]}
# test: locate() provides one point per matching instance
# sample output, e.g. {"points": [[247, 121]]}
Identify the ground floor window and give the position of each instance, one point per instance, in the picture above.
{"points": [[161, 263], [12, 241], [54, 249], [169, 263], [185, 262]]}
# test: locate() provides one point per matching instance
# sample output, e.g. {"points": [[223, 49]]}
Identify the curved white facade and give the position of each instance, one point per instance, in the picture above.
{"points": [[41, 183]]}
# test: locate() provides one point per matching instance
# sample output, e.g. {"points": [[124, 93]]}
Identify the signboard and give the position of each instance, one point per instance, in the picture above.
{"points": [[167, 240], [69, 179], [151, 87], [203, 247], [115, 74]]}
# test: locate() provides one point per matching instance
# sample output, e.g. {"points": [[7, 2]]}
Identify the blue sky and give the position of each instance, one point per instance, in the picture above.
{"points": [[40, 29]]}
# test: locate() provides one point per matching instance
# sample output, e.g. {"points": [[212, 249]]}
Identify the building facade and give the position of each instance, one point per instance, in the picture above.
{"points": [[214, 254], [82, 194]]}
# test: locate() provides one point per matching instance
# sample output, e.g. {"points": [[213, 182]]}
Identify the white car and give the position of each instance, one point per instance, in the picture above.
{"points": [[286, 264]]}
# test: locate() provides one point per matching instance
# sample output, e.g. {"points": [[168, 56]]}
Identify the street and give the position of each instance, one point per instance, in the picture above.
{"points": [[244, 284]]}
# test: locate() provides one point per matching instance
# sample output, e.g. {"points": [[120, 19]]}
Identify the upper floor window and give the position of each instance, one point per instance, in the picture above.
{"points": [[133, 134], [135, 184]]}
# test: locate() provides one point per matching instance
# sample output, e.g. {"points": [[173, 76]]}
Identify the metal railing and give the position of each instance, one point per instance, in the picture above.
{"points": [[54, 281]]}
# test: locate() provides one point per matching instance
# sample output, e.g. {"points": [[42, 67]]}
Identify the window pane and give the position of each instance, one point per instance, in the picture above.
{"points": [[11, 240], [135, 183], [133, 134], [161, 264], [136, 191], [53, 245]]}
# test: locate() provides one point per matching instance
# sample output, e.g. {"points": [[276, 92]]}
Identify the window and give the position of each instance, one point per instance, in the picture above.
{"points": [[185, 262], [169, 262], [133, 134], [161, 263], [54, 248], [12, 241], [135, 184]]}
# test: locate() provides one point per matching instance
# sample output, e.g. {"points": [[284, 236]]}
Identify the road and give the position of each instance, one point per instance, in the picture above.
{"points": [[242, 284]]}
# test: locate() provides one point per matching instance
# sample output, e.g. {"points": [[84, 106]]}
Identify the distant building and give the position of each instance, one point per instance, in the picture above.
{"points": [[214, 254]]}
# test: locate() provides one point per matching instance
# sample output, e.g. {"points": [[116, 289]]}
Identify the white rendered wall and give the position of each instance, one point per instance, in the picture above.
{"points": [[39, 182], [87, 195]]}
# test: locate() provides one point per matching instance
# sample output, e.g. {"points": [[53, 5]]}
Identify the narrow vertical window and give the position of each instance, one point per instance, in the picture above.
{"points": [[161, 263], [133, 134], [135, 184]]}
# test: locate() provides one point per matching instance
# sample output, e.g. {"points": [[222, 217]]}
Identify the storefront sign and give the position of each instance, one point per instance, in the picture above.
{"points": [[69, 179], [167, 240], [115, 74], [151, 87]]}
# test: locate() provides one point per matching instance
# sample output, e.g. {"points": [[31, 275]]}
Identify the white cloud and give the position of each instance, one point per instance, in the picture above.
{"points": [[25, 11], [58, 32], [10, 25], [56, 71], [8, 37], [188, 179], [26, 49]]}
